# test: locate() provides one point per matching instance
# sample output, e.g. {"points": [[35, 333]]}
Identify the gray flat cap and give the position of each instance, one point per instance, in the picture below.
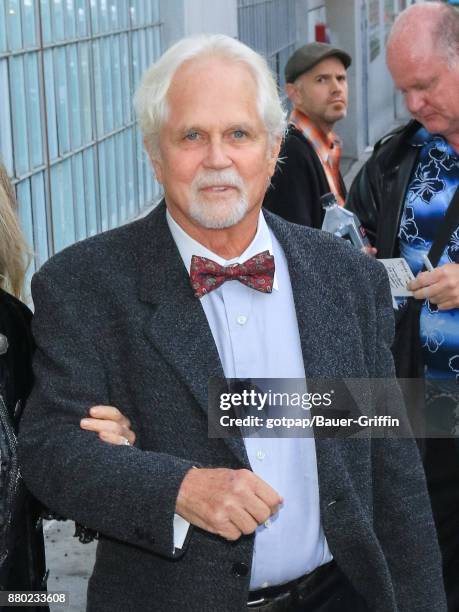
{"points": [[309, 55]]}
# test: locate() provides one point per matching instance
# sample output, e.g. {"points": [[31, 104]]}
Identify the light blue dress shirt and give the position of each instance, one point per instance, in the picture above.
{"points": [[257, 336]]}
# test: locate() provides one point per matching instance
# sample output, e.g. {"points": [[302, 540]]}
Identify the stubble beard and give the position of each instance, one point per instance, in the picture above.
{"points": [[332, 116]]}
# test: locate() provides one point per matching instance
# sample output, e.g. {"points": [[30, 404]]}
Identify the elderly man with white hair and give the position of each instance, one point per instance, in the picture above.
{"points": [[207, 285]]}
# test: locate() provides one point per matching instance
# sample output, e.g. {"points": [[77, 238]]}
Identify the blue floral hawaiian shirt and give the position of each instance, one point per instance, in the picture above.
{"points": [[431, 189]]}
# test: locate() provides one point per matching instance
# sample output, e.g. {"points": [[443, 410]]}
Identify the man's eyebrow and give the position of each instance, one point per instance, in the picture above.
{"points": [[328, 75], [239, 126]]}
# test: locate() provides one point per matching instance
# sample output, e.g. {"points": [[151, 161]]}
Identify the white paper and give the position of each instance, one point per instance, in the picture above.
{"points": [[400, 274]]}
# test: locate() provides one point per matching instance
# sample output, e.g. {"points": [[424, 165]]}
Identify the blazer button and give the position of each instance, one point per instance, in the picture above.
{"points": [[240, 570]]}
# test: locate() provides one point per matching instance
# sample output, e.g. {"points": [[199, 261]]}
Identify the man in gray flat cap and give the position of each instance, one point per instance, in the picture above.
{"points": [[316, 84]]}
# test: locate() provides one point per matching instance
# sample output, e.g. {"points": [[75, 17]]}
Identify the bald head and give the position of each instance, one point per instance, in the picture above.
{"points": [[432, 27], [422, 56]]}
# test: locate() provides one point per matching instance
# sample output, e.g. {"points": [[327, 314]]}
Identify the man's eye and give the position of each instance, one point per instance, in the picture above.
{"points": [[239, 134], [192, 136]]}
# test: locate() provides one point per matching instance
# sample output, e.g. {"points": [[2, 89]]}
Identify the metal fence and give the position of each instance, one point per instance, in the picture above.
{"points": [[68, 69], [269, 27]]}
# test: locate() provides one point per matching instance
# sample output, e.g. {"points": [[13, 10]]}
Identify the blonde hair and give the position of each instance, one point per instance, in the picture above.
{"points": [[14, 252]]}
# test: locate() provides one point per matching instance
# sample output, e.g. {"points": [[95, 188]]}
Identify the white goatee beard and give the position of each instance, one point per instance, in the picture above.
{"points": [[218, 215]]}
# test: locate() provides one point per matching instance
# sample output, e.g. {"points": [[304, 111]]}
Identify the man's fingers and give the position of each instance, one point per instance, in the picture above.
{"points": [[268, 495], [110, 413], [259, 510], [242, 520], [226, 502], [369, 250], [113, 438], [425, 279], [447, 305], [110, 427]]}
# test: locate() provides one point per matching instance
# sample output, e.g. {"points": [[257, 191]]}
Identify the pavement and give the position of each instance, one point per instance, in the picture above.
{"points": [[69, 562]]}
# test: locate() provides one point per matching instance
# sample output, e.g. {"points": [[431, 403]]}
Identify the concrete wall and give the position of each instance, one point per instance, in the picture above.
{"points": [[373, 102], [343, 19], [301, 11], [187, 17], [381, 91], [211, 16]]}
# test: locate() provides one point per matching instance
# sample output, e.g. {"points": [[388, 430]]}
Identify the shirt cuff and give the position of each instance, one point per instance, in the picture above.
{"points": [[181, 527]]}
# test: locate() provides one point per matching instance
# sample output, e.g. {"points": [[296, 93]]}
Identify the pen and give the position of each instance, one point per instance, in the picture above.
{"points": [[427, 263]]}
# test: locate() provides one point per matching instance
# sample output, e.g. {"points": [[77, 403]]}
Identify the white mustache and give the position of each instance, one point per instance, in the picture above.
{"points": [[218, 178]]}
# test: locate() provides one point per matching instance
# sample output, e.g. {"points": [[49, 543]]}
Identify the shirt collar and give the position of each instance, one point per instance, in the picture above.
{"points": [[422, 137], [188, 246], [311, 131]]}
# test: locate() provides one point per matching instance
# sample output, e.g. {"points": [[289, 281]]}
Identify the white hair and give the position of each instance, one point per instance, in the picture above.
{"points": [[150, 100]]}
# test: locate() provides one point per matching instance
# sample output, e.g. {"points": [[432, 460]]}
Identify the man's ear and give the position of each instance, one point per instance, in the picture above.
{"points": [[155, 160], [292, 92], [274, 155]]}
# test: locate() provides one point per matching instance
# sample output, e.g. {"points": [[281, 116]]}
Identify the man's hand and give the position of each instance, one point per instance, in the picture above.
{"points": [[441, 286], [111, 425], [226, 502], [369, 250]]}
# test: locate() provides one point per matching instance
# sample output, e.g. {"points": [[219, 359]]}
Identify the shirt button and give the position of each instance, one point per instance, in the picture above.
{"points": [[265, 585], [268, 523], [261, 455], [242, 319]]}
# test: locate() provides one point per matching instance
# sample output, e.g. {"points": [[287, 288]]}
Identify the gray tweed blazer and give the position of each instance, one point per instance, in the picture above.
{"points": [[116, 323]]}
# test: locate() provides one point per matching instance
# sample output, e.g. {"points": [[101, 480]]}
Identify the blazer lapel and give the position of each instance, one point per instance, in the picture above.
{"points": [[178, 327], [325, 355]]}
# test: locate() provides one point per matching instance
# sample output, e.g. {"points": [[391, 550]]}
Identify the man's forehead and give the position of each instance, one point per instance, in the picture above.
{"points": [[225, 88], [415, 63], [401, 50]]}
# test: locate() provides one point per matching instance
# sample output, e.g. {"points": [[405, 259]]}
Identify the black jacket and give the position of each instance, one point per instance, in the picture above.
{"points": [[377, 197], [378, 191], [298, 182], [21, 536]]}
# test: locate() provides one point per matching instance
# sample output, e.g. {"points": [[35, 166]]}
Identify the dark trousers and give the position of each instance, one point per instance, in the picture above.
{"points": [[441, 463]]}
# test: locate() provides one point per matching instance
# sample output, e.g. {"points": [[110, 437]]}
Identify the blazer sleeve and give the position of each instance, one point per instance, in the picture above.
{"points": [[120, 491], [402, 513]]}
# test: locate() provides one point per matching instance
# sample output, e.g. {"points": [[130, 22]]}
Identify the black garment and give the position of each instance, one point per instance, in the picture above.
{"points": [[378, 191], [330, 592], [377, 196], [21, 534], [298, 182]]}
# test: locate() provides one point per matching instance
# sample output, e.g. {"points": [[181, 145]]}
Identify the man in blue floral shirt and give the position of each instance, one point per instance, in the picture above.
{"points": [[401, 196]]}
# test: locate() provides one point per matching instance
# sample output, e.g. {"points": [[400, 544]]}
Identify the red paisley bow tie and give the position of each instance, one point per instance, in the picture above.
{"points": [[257, 273]]}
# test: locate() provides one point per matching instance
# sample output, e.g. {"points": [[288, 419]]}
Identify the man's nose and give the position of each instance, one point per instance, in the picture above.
{"points": [[337, 85], [217, 156], [414, 101]]}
